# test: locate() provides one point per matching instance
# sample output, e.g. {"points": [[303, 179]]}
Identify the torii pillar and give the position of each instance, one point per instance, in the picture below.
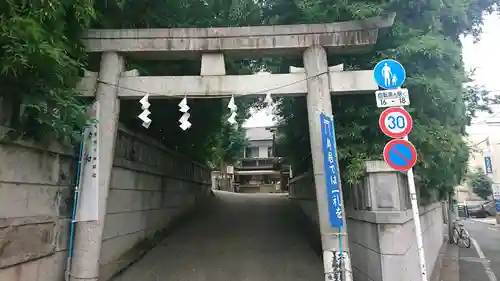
{"points": [[88, 241], [319, 102]]}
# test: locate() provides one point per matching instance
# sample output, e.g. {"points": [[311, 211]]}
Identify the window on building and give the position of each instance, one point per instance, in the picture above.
{"points": [[252, 152], [270, 151]]}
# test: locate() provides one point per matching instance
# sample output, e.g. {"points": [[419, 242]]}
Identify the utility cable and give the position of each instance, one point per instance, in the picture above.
{"points": [[477, 144]]}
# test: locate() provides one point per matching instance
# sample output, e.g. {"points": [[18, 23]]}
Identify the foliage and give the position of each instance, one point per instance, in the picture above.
{"points": [[480, 183], [425, 39], [41, 57], [40, 60], [230, 142]]}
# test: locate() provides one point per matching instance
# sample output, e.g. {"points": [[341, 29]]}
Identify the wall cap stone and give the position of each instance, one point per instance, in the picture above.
{"points": [[389, 217]]}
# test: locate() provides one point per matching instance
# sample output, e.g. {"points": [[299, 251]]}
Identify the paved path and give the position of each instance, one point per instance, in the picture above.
{"points": [[482, 260], [240, 237]]}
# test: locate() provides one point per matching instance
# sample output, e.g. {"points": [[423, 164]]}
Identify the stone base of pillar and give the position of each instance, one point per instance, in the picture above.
{"points": [[382, 231]]}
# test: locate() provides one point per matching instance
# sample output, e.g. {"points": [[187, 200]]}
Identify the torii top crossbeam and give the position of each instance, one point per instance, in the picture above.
{"points": [[339, 38], [180, 43]]}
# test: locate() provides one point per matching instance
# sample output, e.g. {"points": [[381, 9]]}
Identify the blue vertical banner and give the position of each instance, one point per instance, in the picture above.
{"points": [[496, 195], [331, 172], [487, 165]]}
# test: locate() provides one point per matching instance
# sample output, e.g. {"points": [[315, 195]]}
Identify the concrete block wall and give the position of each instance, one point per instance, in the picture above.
{"points": [[302, 190], [383, 245], [380, 225], [151, 187], [35, 209], [381, 228]]}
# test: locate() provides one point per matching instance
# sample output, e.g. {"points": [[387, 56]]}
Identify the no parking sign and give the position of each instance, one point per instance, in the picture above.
{"points": [[400, 154]]}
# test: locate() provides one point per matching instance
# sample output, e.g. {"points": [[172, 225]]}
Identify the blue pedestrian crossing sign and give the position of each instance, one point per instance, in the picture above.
{"points": [[389, 74]]}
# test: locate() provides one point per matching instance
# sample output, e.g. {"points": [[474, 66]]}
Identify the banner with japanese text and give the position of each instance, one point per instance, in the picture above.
{"points": [[88, 198], [331, 172]]}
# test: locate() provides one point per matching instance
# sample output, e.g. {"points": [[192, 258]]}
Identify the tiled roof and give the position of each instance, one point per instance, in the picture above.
{"points": [[259, 133]]}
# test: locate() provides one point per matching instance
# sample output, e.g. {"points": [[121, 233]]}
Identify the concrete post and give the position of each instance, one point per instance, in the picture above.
{"points": [[450, 217], [319, 101], [88, 235]]}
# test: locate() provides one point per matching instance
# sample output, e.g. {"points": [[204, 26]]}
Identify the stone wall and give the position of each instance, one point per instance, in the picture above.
{"points": [[302, 190], [380, 224], [151, 187], [35, 210], [383, 245]]}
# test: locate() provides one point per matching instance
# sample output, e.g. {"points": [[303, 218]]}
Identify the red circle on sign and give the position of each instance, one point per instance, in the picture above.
{"points": [[408, 160], [387, 131]]}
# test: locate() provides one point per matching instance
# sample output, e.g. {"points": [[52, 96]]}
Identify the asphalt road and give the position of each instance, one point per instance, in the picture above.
{"points": [[239, 237], [481, 262]]}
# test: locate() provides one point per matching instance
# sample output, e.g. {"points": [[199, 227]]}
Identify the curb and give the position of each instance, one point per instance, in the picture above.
{"points": [[482, 221]]}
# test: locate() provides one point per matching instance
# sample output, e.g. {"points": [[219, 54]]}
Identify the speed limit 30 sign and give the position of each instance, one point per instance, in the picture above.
{"points": [[395, 122]]}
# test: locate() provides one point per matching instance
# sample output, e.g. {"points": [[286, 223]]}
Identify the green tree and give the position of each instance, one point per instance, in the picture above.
{"points": [[40, 60], [42, 56], [480, 183], [230, 142], [425, 39]]}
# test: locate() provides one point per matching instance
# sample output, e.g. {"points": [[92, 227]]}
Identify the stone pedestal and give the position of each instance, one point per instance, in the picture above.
{"points": [[381, 229]]}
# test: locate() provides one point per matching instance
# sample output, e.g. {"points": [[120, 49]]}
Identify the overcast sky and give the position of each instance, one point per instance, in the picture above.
{"points": [[484, 56]]}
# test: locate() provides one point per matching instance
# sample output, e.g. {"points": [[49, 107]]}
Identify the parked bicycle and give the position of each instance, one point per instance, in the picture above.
{"points": [[460, 234]]}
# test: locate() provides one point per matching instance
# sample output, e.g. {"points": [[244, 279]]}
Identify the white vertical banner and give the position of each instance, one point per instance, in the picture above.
{"points": [[88, 199], [496, 191]]}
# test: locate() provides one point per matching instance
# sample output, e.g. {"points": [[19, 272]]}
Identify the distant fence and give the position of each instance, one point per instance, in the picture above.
{"points": [[463, 212]]}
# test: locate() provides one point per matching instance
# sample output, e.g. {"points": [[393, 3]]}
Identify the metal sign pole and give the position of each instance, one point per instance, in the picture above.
{"points": [[390, 76], [416, 220]]}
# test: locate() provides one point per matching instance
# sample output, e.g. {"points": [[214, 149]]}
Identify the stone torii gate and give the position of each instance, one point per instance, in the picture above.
{"points": [[316, 80]]}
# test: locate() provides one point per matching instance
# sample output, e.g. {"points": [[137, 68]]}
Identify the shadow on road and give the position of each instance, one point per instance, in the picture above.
{"points": [[248, 237]]}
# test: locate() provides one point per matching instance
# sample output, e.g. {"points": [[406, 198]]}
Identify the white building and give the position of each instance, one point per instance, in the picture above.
{"points": [[261, 169], [260, 143], [484, 140]]}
